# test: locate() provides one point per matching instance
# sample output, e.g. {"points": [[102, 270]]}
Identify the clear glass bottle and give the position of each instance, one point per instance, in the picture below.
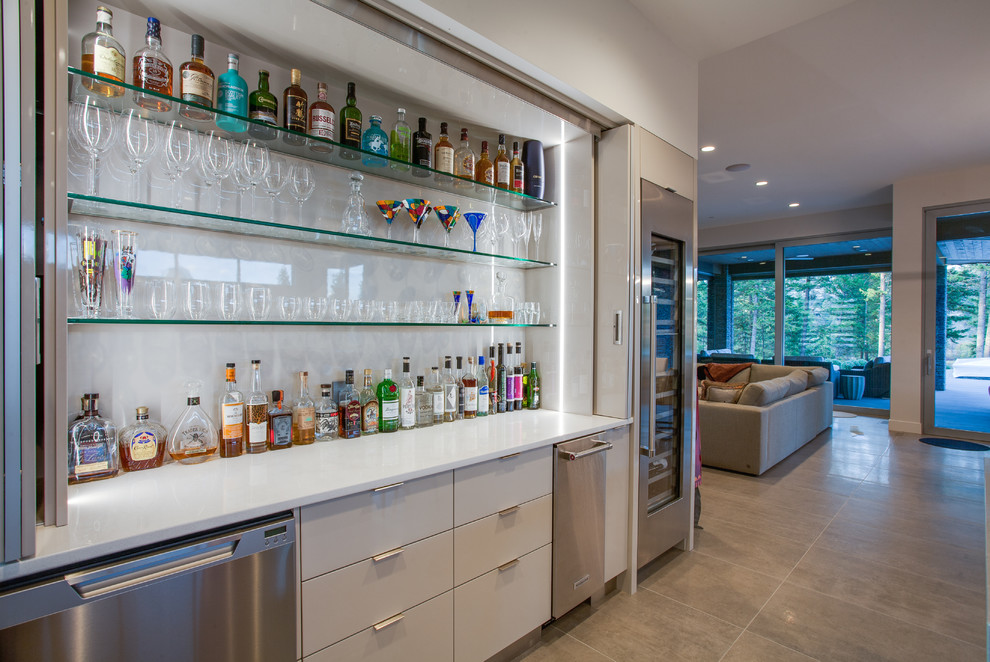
{"points": [[263, 109], [279, 422], [435, 389], [303, 413], [503, 306], [93, 452], [484, 169], [518, 171], [321, 120], [388, 403], [327, 415], [256, 413], [492, 371], [400, 141], [142, 443], [231, 416], [369, 405], [458, 379], [422, 149], [196, 81], [407, 398], [444, 161], [449, 392], [153, 70], [481, 377], [232, 96], [355, 220], [503, 173], [104, 56], [351, 123], [464, 159], [193, 438], [517, 376], [424, 404], [350, 408], [374, 140], [295, 102], [469, 386]]}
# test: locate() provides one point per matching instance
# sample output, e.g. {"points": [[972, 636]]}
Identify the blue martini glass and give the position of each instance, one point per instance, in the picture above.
{"points": [[474, 219]]}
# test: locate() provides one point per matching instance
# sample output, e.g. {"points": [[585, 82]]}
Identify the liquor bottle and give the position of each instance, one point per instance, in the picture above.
{"points": [[232, 97], [231, 417], [153, 71], [501, 380], [435, 389], [263, 108], [350, 408], [492, 382], [256, 413], [303, 414], [444, 161], [196, 81], [459, 381], [449, 392], [533, 387], [142, 443], [517, 372], [400, 141], [407, 398], [422, 149], [92, 445], [374, 140], [279, 423], [525, 385], [327, 415], [464, 160], [484, 170], [532, 158], [503, 173], [350, 123], [518, 171], [388, 403], [295, 102], [481, 375], [193, 438], [104, 56], [469, 380], [424, 404], [510, 382], [321, 120], [369, 406]]}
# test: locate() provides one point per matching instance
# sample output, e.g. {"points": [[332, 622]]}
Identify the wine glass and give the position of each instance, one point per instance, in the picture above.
{"points": [[93, 127], [520, 232], [142, 138], [252, 165], [501, 226], [474, 219], [537, 231], [229, 301], [162, 299], [448, 215], [389, 208], [419, 210], [302, 183], [181, 150], [275, 180], [216, 162], [197, 300]]}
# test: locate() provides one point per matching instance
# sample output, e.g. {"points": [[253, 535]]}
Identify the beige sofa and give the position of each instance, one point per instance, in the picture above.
{"points": [[780, 409]]}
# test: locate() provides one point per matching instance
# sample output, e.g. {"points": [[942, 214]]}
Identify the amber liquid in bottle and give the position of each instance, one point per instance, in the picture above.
{"points": [[153, 71], [196, 83], [279, 423], [444, 151], [104, 56], [518, 171], [484, 171], [503, 173], [321, 120], [295, 102]]}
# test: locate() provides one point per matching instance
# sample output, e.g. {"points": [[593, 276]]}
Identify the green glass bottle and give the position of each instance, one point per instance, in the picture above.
{"points": [[263, 107], [388, 404], [350, 123], [400, 142], [532, 388]]}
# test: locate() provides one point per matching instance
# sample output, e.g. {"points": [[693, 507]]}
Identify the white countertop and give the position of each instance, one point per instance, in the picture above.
{"points": [[145, 507]]}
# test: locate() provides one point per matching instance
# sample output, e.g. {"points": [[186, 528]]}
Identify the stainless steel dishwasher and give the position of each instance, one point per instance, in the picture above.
{"points": [[578, 522], [226, 596]]}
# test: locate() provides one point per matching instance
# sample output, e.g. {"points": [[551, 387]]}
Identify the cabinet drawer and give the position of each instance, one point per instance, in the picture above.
{"points": [[340, 603], [342, 531], [425, 633], [499, 607], [486, 488], [487, 543]]}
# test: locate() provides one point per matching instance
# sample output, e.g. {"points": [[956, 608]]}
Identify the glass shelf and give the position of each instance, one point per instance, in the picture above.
{"points": [[131, 211], [339, 155], [74, 321]]}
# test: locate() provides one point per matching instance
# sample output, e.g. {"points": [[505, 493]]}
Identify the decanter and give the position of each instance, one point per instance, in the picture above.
{"points": [[194, 435], [500, 312], [92, 445], [355, 219]]}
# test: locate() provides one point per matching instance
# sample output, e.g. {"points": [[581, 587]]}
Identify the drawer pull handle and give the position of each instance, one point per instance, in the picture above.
{"points": [[388, 621], [506, 566], [508, 511], [388, 487], [510, 456], [387, 555]]}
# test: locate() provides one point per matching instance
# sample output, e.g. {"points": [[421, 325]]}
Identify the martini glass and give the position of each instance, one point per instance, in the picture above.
{"points": [[419, 210], [474, 219], [448, 215], [389, 208]]}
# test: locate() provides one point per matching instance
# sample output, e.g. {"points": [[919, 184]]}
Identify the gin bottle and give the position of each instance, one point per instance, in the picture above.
{"points": [[231, 417], [327, 419], [369, 406], [256, 413], [388, 404], [407, 398], [194, 436], [303, 414], [92, 445], [142, 443], [232, 96]]}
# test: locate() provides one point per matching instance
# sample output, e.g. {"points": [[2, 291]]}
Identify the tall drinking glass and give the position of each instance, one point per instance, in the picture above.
{"points": [[123, 262], [537, 231], [87, 246], [162, 299]]}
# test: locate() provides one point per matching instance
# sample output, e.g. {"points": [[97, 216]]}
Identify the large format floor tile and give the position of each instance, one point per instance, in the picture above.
{"points": [[754, 648], [922, 523], [766, 554], [761, 517]]}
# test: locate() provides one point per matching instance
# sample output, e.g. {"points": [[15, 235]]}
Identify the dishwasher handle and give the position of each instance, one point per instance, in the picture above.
{"points": [[599, 447]]}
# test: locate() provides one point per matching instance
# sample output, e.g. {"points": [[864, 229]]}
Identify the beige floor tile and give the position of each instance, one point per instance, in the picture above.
{"points": [[722, 589], [827, 628], [842, 484], [963, 509], [555, 646], [933, 469], [946, 608], [932, 487], [761, 517], [767, 554], [771, 491], [648, 626], [754, 648], [924, 523]]}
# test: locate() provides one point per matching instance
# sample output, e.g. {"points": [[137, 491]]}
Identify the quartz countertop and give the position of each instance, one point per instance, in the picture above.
{"points": [[146, 507]]}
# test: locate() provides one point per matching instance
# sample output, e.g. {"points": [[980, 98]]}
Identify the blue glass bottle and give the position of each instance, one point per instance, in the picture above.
{"points": [[232, 97], [374, 140]]}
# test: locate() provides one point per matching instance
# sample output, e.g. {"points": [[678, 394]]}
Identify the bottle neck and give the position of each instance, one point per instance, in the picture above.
{"points": [[263, 83], [256, 378], [104, 28]]}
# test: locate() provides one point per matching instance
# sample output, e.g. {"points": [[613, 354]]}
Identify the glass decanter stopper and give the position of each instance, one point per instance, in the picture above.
{"points": [[500, 312], [355, 220], [194, 435]]}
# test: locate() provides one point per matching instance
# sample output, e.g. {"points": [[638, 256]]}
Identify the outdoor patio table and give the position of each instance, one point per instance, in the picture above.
{"points": [[851, 387]]}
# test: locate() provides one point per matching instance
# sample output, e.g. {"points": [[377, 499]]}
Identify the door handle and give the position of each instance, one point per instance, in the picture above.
{"points": [[617, 328], [599, 447], [929, 362]]}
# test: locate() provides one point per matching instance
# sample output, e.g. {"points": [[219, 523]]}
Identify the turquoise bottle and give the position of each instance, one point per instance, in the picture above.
{"points": [[232, 97], [374, 140]]}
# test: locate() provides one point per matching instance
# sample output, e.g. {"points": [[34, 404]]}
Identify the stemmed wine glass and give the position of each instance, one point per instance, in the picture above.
{"points": [[419, 210], [142, 138], [93, 127], [302, 183], [389, 208], [275, 180], [474, 219], [448, 215], [253, 161], [537, 231], [500, 226], [520, 230], [216, 162], [181, 150]]}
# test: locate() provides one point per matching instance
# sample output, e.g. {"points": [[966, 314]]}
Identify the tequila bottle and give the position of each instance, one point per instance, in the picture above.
{"points": [[327, 418], [424, 404], [231, 417], [374, 140], [142, 443], [256, 413], [153, 71], [350, 408], [104, 56], [279, 423], [449, 392], [92, 445], [435, 389], [388, 404], [369, 406], [407, 398], [194, 436], [502, 307], [303, 414]]}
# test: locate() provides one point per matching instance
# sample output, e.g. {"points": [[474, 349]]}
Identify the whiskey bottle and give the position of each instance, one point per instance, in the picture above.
{"points": [[424, 404], [469, 382], [407, 398], [435, 390], [350, 123], [388, 403], [92, 445], [263, 108], [142, 443], [193, 438], [444, 161], [484, 170], [449, 392], [464, 159], [279, 423], [196, 82], [327, 415], [321, 120], [518, 171], [350, 408], [303, 414], [232, 97], [104, 56], [256, 413], [231, 417], [481, 375], [503, 173], [422, 149], [369, 406], [295, 102], [153, 71]]}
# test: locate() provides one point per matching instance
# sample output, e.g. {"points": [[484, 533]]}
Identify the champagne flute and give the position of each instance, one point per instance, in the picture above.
{"points": [[181, 150], [93, 127], [216, 162], [253, 162], [537, 231], [302, 183], [142, 138], [275, 180], [521, 227], [500, 224]]}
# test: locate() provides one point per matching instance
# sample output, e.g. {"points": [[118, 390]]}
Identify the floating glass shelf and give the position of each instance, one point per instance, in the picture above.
{"points": [[338, 155], [132, 211], [184, 322]]}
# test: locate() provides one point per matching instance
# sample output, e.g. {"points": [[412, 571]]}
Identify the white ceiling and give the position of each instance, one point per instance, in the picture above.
{"points": [[831, 101]]}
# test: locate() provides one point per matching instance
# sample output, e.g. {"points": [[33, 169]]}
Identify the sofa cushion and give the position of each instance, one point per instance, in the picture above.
{"points": [[768, 391], [725, 393], [741, 377], [816, 375], [797, 382]]}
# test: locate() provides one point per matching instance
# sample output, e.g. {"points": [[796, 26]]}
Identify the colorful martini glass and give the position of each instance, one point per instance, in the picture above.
{"points": [[448, 215], [419, 210], [389, 208], [474, 219]]}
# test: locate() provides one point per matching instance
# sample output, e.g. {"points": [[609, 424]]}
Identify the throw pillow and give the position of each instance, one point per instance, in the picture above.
{"points": [[816, 375], [708, 384], [797, 382], [768, 391], [725, 394]]}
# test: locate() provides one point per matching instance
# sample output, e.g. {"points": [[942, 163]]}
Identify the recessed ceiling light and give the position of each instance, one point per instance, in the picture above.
{"points": [[794, 204], [762, 183], [708, 148]]}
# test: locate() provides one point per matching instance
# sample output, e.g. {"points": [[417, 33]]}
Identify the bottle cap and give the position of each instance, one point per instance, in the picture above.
{"points": [[401, 111], [481, 359], [233, 59], [326, 386], [350, 89], [419, 380], [198, 45], [484, 145], [142, 411], [443, 127], [367, 372], [435, 368], [154, 28], [464, 134], [375, 118], [388, 373], [255, 361], [276, 395], [459, 359], [501, 139], [321, 87], [263, 73], [296, 76]]}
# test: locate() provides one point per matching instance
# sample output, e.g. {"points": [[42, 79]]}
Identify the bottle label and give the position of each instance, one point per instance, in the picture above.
{"points": [[263, 115], [390, 410], [488, 175], [152, 74], [295, 113], [257, 433], [143, 446], [327, 423], [282, 430], [445, 159], [232, 420], [321, 123], [92, 453], [108, 62], [352, 131], [450, 398], [352, 422], [517, 178], [231, 98], [510, 388], [305, 417], [517, 387], [503, 172], [369, 423], [470, 398], [467, 166], [407, 407], [197, 85], [483, 400], [438, 403]]}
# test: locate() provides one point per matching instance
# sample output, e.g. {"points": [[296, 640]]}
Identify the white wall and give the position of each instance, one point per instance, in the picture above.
{"points": [[862, 219]]}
